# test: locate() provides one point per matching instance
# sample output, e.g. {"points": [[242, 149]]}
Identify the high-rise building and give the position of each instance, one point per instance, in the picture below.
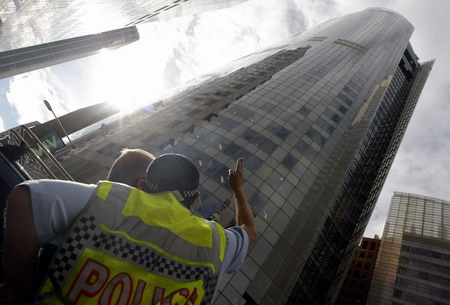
{"points": [[27, 59], [355, 289], [413, 265], [25, 23], [39, 33], [318, 118]]}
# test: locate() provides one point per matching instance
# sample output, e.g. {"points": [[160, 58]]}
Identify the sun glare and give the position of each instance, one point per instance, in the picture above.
{"points": [[127, 77]]}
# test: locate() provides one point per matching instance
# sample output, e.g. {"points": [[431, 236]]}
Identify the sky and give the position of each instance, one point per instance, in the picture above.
{"points": [[172, 52]]}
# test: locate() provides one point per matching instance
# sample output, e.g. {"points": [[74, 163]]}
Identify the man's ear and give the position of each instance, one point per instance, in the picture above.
{"points": [[194, 198], [141, 185]]}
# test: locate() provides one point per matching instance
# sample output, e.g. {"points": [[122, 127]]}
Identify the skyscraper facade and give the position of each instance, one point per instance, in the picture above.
{"points": [[319, 119], [27, 59], [413, 265], [26, 23], [39, 33]]}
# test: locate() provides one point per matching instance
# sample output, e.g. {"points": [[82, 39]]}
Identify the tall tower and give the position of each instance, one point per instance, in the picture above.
{"points": [[413, 264], [39, 33], [319, 119], [27, 59], [25, 23]]}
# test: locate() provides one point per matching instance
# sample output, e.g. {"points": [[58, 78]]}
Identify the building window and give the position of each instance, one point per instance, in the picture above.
{"points": [[364, 245], [248, 299]]}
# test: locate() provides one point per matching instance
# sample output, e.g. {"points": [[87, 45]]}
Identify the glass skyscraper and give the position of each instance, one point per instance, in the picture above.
{"points": [[25, 23], [39, 33], [318, 118], [27, 59], [413, 265]]}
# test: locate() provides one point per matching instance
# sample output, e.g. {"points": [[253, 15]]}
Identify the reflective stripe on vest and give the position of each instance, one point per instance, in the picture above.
{"points": [[130, 247]]}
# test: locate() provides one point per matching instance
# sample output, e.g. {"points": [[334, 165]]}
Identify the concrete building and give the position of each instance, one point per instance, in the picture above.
{"points": [[413, 265], [355, 289], [318, 118]]}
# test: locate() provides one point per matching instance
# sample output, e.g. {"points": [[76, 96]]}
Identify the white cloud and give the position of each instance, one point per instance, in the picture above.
{"points": [[27, 91], [200, 44], [422, 161], [2, 125], [316, 12], [170, 53], [178, 50], [421, 165]]}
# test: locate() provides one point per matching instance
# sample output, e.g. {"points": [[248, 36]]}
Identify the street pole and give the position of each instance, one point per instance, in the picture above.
{"points": [[47, 104]]}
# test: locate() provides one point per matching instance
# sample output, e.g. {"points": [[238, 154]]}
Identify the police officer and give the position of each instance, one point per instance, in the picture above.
{"points": [[127, 246]]}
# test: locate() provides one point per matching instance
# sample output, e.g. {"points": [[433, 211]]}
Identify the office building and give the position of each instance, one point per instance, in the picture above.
{"points": [[318, 118], [27, 23], [355, 289], [27, 59], [413, 265], [39, 33]]}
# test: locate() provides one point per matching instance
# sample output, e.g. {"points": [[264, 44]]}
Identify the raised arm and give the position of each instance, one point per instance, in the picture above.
{"points": [[21, 248], [244, 214]]}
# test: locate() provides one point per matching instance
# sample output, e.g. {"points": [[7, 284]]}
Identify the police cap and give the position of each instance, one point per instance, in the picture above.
{"points": [[172, 172]]}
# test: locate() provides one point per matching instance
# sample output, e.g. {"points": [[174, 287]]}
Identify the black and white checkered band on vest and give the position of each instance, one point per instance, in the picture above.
{"points": [[146, 246]]}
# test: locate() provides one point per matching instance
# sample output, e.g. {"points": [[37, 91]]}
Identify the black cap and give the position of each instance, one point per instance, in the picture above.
{"points": [[172, 172]]}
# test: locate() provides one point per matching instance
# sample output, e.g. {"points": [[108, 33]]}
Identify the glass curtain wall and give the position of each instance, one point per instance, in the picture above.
{"points": [[413, 265]]}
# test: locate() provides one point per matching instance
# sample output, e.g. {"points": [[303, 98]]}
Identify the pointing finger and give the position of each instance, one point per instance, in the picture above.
{"points": [[240, 164], [237, 164]]}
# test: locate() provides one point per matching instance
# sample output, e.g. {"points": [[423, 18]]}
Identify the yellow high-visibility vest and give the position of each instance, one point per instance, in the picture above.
{"points": [[129, 247]]}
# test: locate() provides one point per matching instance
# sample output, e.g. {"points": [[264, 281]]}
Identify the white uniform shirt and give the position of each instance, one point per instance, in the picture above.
{"points": [[57, 204]]}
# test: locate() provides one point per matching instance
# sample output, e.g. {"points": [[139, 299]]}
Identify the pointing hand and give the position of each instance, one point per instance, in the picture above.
{"points": [[236, 177]]}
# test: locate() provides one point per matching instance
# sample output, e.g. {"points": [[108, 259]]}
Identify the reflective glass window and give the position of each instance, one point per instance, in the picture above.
{"points": [[305, 110], [289, 161], [269, 211], [231, 149], [285, 188], [316, 137], [282, 133], [269, 146], [253, 163], [209, 206], [257, 201]]}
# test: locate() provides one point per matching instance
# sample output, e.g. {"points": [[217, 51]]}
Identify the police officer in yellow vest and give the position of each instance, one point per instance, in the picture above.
{"points": [[129, 246]]}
